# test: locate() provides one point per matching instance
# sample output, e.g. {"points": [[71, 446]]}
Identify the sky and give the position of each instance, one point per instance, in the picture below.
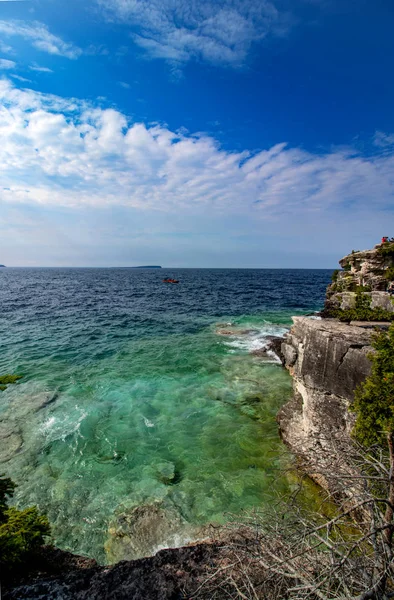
{"points": [[199, 133]]}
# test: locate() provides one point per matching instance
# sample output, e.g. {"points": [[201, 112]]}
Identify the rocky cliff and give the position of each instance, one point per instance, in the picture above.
{"points": [[328, 359], [368, 273]]}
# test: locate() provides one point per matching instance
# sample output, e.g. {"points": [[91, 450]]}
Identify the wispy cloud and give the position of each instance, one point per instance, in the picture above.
{"points": [[383, 140], [56, 151], [20, 78], [40, 69], [6, 49], [217, 32], [40, 37], [7, 64], [124, 85]]}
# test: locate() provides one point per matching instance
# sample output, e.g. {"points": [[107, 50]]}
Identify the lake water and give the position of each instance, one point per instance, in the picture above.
{"points": [[138, 393]]}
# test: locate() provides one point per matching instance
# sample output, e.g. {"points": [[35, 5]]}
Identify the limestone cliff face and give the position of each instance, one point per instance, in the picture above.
{"points": [[327, 360]]}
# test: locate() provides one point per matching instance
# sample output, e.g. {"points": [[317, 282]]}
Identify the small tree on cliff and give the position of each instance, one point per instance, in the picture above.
{"points": [[374, 405], [374, 399], [21, 531]]}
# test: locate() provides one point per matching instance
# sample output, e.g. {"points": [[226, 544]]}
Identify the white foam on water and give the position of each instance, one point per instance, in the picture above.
{"points": [[55, 428], [48, 424], [257, 339], [275, 357], [147, 422]]}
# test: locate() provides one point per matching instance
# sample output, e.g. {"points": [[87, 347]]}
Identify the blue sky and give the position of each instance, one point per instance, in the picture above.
{"points": [[253, 133]]}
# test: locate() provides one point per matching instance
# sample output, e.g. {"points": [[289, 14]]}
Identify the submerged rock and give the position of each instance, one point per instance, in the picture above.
{"points": [[33, 403], [142, 530], [234, 331], [10, 441], [166, 472]]}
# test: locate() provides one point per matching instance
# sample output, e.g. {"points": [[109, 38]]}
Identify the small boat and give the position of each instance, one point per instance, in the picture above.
{"points": [[168, 280]]}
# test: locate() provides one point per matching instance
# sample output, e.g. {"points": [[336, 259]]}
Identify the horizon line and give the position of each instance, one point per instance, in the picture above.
{"points": [[164, 268]]}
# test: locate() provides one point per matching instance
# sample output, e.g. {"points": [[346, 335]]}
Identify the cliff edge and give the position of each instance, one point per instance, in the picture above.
{"points": [[328, 359]]}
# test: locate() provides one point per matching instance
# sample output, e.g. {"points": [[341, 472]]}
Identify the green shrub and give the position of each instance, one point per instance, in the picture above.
{"points": [[347, 267], [21, 531], [386, 249], [374, 399], [7, 487], [389, 274], [8, 380], [334, 276], [363, 314], [362, 311]]}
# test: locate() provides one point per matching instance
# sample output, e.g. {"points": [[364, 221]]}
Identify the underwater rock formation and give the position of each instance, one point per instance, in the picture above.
{"points": [[134, 532]]}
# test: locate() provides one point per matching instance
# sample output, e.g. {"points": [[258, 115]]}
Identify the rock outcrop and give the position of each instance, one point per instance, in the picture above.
{"points": [[366, 272], [170, 574], [327, 360]]}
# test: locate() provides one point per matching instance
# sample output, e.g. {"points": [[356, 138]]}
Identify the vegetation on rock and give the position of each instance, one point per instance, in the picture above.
{"points": [[334, 275], [390, 274], [374, 399], [21, 531], [362, 311], [6, 380], [387, 249]]}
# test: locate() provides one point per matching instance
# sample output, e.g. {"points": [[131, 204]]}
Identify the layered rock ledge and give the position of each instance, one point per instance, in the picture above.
{"points": [[369, 273]]}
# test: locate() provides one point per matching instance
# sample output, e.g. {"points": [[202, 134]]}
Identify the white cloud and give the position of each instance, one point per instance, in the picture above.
{"points": [[124, 85], [40, 37], [7, 64], [6, 49], [383, 140], [65, 152], [39, 69], [218, 32], [20, 78]]}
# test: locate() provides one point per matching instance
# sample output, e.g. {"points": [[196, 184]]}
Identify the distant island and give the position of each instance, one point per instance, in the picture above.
{"points": [[2, 266], [147, 267]]}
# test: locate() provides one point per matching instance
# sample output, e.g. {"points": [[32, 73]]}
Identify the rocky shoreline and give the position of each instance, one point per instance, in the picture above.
{"points": [[174, 573]]}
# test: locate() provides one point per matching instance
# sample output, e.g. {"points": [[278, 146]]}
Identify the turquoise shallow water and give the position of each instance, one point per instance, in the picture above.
{"points": [[139, 394]]}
